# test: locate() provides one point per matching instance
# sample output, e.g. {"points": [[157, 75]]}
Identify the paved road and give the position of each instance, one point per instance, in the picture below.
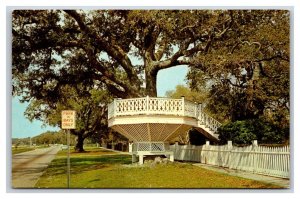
{"points": [[27, 167]]}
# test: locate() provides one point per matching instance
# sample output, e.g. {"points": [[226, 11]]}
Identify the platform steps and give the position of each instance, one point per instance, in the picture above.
{"points": [[208, 126]]}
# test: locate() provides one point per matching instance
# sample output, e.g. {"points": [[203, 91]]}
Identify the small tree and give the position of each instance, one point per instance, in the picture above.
{"points": [[17, 144], [245, 131], [90, 107], [194, 96]]}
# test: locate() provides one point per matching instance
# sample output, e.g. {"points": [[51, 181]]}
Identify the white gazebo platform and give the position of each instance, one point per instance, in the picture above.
{"points": [[151, 122]]}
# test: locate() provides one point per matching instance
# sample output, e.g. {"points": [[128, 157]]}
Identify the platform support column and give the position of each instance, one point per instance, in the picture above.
{"points": [[134, 159], [130, 147], [172, 157], [141, 159]]}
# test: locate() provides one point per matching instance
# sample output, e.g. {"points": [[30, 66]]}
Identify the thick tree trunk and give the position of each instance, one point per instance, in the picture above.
{"points": [[79, 144], [151, 76], [151, 85]]}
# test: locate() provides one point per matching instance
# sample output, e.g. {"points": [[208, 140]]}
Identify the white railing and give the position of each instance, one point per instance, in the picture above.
{"points": [[162, 106], [272, 161], [165, 106], [208, 121], [111, 110], [146, 105], [190, 109]]}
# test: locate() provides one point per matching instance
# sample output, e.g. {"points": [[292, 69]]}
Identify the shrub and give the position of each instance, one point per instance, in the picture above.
{"points": [[243, 132]]}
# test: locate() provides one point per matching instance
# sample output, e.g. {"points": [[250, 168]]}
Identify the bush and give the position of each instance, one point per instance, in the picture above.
{"points": [[243, 132]]}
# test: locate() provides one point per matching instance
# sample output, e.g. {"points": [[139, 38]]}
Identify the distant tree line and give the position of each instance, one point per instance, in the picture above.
{"points": [[46, 138], [111, 139]]}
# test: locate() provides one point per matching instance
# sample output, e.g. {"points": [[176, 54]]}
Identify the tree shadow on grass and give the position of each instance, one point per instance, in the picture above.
{"points": [[57, 167], [113, 159], [93, 163], [87, 151], [86, 163], [81, 164]]}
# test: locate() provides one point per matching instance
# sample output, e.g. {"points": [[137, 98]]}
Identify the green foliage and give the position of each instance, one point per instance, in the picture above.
{"points": [[185, 91], [90, 106], [17, 150], [53, 48], [245, 131], [45, 138], [21, 141], [249, 71], [52, 137], [247, 76]]}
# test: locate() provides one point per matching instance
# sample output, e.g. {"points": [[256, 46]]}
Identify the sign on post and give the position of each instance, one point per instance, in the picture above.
{"points": [[68, 119]]}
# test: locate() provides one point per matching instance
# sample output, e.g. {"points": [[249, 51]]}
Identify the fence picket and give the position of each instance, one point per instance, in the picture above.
{"points": [[276, 161], [273, 161]]}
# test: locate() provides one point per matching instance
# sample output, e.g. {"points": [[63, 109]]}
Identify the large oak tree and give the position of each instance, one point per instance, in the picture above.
{"points": [[241, 56], [124, 49]]}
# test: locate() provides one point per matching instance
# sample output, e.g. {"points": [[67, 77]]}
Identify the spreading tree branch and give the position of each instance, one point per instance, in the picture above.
{"points": [[112, 48]]}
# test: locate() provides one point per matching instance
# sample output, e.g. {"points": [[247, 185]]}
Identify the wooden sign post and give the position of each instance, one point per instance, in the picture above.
{"points": [[68, 121]]}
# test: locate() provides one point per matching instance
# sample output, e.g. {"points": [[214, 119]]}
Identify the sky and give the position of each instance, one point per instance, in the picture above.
{"points": [[21, 126], [167, 79]]}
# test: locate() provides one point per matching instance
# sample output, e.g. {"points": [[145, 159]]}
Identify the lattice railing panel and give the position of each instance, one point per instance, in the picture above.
{"points": [[143, 146], [190, 109], [157, 147], [130, 106], [149, 105], [150, 146], [165, 106], [208, 121]]}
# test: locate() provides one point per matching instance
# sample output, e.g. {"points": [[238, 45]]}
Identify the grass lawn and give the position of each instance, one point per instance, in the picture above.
{"points": [[104, 169], [21, 150]]}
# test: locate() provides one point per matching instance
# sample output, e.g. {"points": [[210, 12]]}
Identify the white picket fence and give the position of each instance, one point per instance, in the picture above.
{"points": [[272, 161]]}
